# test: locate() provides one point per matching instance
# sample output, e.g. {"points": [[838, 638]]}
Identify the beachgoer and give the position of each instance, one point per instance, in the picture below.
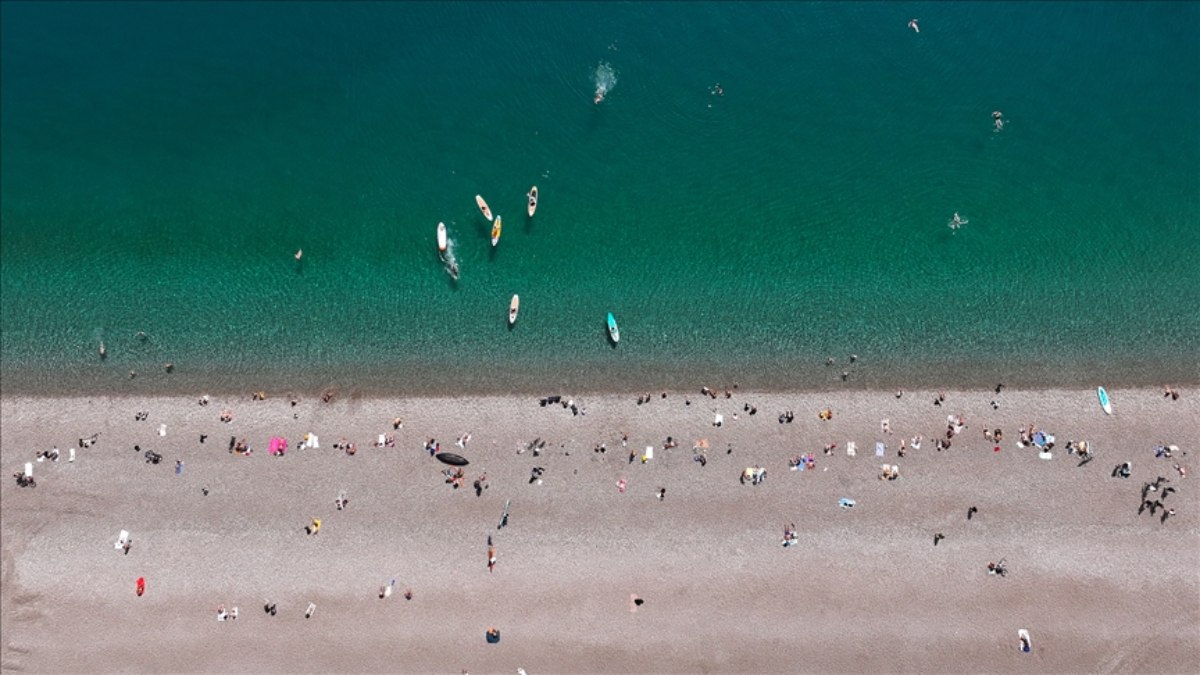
{"points": [[971, 511], [938, 537], [662, 493]]}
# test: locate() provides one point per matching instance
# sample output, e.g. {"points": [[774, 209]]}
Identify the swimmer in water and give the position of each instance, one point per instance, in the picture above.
{"points": [[957, 221], [599, 97], [299, 253], [912, 23], [998, 120]]}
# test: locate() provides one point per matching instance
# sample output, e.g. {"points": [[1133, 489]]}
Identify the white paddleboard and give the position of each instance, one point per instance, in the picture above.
{"points": [[1105, 403], [441, 237], [513, 307], [483, 207]]}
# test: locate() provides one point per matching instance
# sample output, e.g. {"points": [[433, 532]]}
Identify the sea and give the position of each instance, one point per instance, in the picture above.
{"points": [[766, 187]]}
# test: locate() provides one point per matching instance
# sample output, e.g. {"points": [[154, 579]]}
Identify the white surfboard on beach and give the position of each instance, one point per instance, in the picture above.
{"points": [[1105, 403]]}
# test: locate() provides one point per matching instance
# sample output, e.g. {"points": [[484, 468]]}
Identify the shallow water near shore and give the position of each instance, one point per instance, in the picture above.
{"points": [[162, 163]]}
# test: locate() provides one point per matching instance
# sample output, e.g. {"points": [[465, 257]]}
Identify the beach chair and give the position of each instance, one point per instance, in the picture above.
{"points": [[122, 539], [851, 449]]}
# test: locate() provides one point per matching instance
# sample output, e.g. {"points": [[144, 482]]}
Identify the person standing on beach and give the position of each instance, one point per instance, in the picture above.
{"points": [[938, 537], [971, 511]]}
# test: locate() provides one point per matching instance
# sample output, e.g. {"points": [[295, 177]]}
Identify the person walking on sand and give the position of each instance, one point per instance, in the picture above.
{"points": [[938, 537], [1166, 514], [971, 511]]}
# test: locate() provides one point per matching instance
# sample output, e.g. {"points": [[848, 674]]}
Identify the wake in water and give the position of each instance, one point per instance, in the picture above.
{"points": [[605, 78], [449, 261]]}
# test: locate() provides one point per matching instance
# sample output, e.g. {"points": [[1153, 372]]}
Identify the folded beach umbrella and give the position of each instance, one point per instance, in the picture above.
{"points": [[451, 459]]}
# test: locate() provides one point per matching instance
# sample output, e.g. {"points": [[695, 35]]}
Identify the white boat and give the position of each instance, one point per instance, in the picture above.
{"points": [[496, 231], [483, 207], [533, 197], [613, 331], [512, 309], [441, 237]]}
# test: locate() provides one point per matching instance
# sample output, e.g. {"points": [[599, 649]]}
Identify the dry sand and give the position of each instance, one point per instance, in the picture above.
{"points": [[1101, 588]]}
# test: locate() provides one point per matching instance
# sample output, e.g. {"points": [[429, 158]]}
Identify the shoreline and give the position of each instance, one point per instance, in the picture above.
{"points": [[111, 378]]}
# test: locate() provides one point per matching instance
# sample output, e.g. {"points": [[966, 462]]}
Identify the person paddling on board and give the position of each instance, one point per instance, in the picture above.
{"points": [[912, 23]]}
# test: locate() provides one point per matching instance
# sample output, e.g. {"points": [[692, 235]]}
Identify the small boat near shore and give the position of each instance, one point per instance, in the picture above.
{"points": [[614, 333], [483, 207], [496, 231], [513, 308], [533, 199], [1105, 404], [441, 237]]}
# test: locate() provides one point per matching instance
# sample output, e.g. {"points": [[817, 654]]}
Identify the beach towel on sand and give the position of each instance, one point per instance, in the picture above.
{"points": [[879, 448]]}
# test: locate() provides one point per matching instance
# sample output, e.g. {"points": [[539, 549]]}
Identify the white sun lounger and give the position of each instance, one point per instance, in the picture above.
{"points": [[851, 449], [121, 539]]}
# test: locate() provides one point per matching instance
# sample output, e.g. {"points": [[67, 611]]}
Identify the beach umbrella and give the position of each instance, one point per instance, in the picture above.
{"points": [[451, 459]]}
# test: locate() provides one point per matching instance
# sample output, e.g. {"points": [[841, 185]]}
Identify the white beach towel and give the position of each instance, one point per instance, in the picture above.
{"points": [[382, 439], [28, 469], [851, 449], [121, 539], [1045, 455], [879, 448], [718, 419], [162, 430], [72, 457], [649, 454]]}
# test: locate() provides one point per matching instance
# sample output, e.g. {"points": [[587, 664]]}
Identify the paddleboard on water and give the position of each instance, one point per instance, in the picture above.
{"points": [[613, 331], [533, 197], [513, 307], [1105, 404], [483, 207], [441, 234], [496, 231]]}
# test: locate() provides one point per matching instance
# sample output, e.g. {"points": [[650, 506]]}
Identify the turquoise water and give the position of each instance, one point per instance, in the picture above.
{"points": [[163, 161]]}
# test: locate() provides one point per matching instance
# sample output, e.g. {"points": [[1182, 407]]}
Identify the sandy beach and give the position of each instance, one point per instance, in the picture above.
{"points": [[1100, 587]]}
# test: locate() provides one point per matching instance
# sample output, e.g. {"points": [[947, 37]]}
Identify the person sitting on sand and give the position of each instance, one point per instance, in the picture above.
{"points": [[313, 528]]}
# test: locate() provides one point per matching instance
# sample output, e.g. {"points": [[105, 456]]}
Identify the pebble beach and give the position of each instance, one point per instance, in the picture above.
{"points": [[1100, 587]]}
